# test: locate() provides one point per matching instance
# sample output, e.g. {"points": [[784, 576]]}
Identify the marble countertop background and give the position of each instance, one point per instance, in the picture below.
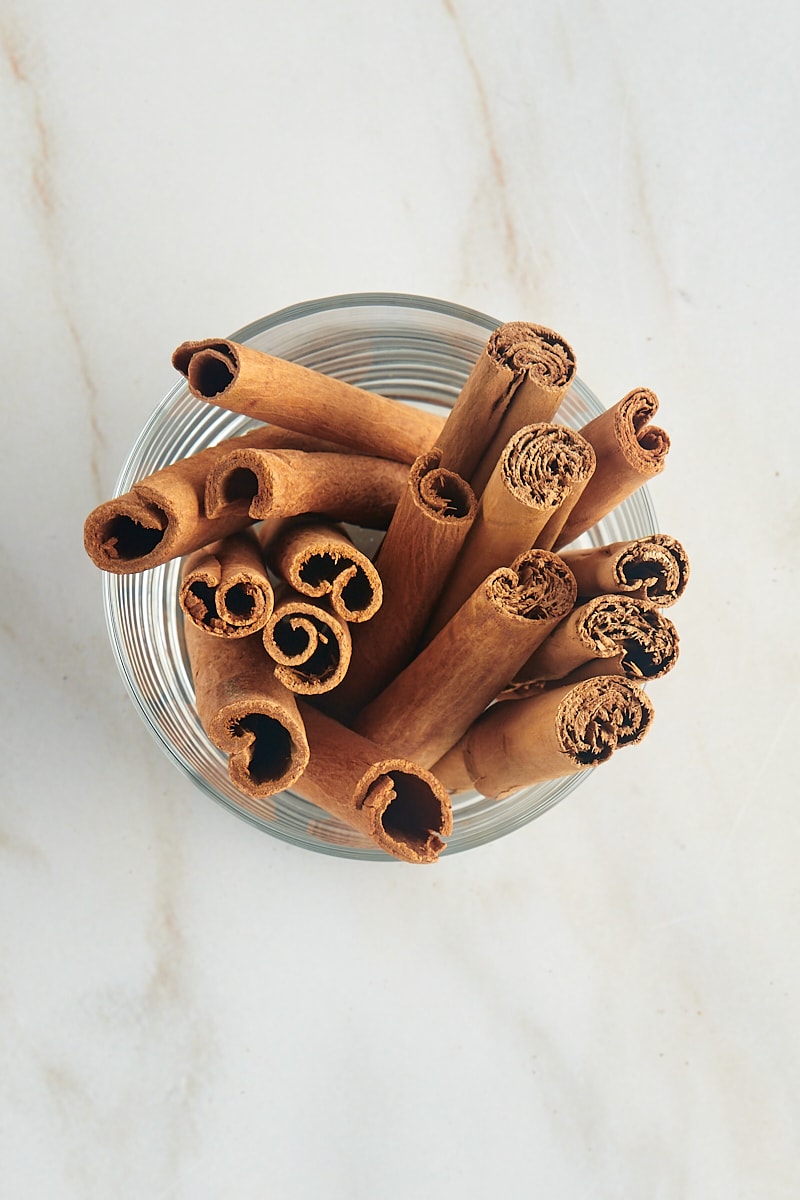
{"points": [[603, 1005]]}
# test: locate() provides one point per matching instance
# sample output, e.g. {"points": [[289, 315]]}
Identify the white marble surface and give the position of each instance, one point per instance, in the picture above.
{"points": [[603, 1005]]}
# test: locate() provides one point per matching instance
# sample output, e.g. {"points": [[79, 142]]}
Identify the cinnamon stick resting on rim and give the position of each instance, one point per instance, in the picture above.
{"points": [[654, 568], [163, 516], [318, 560], [430, 704], [308, 644], [246, 380], [426, 533], [515, 745], [401, 807], [519, 379], [539, 476], [248, 715], [225, 588], [629, 451], [606, 635], [259, 484]]}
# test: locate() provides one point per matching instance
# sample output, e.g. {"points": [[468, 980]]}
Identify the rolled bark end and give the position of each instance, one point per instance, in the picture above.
{"points": [[225, 588], [645, 641], [656, 568], [210, 367], [240, 482], [644, 446], [128, 534], [267, 752], [539, 586], [539, 352], [320, 560], [600, 715], [310, 646], [443, 493], [544, 464], [408, 810]]}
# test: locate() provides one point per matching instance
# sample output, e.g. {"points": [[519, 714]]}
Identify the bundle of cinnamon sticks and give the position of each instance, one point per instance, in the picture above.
{"points": [[478, 648]]}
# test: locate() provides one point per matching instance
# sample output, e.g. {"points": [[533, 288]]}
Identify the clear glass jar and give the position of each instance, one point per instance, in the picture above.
{"points": [[411, 348]]}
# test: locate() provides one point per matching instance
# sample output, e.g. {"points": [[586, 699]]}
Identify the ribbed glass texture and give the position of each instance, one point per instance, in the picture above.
{"points": [[412, 348]]}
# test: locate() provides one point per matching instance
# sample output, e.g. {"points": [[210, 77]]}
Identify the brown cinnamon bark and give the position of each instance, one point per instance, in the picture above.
{"points": [[163, 516], [606, 635], [629, 452], [309, 645], [541, 473], [430, 704], [319, 560], [519, 379], [225, 588], [286, 483], [404, 809], [248, 714], [427, 531], [272, 389], [654, 568], [557, 733]]}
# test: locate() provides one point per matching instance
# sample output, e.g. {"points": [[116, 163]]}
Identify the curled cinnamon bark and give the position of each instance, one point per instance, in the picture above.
{"points": [[539, 476], [629, 452], [287, 483], [163, 516], [225, 588], [309, 645], [556, 733], [426, 533], [430, 704], [654, 568], [248, 715], [606, 635], [519, 378], [245, 380], [403, 808], [320, 560]]}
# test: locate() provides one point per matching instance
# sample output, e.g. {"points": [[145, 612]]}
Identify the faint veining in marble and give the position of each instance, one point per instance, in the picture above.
{"points": [[16, 53], [497, 166]]}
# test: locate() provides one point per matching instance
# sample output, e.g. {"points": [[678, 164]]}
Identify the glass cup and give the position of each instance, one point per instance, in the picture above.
{"points": [[413, 349]]}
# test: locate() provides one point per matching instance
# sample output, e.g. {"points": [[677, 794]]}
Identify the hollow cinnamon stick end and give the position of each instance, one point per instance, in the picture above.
{"points": [[210, 366], [265, 742], [408, 810], [128, 534]]}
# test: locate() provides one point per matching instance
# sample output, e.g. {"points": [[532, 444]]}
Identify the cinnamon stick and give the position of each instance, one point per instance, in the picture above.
{"points": [[539, 476], [163, 516], [654, 568], [606, 635], [519, 379], [403, 808], [310, 645], [246, 380], [430, 704], [556, 733], [318, 560], [629, 451], [225, 588], [261, 484], [247, 714], [426, 533]]}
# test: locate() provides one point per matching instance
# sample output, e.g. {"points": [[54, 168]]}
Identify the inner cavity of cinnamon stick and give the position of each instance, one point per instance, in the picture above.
{"points": [[401, 807], [654, 568], [247, 714], [286, 483], [514, 745], [431, 703], [539, 476], [319, 559], [245, 380], [310, 645], [630, 451], [226, 589], [432, 519]]}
